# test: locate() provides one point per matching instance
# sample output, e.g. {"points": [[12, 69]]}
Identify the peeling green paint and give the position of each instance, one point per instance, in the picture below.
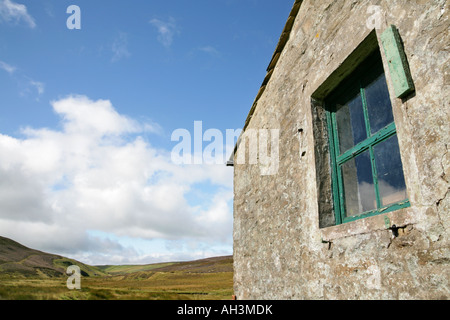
{"points": [[398, 65]]}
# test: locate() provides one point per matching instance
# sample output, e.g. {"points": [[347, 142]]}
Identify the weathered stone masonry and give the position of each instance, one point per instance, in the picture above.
{"points": [[285, 246]]}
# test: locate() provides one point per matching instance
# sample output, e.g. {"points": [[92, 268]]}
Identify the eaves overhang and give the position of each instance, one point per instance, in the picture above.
{"points": [[273, 63]]}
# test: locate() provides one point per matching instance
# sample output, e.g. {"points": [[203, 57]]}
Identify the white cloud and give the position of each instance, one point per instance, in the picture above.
{"points": [[27, 86], [15, 12], [120, 47], [7, 67], [97, 172], [81, 115], [210, 50], [39, 86], [166, 30]]}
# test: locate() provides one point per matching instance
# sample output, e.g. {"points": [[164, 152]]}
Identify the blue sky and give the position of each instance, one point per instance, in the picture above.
{"points": [[86, 118]]}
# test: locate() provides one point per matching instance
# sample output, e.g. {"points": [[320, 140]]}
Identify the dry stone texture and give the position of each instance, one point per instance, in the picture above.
{"points": [[280, 250]]}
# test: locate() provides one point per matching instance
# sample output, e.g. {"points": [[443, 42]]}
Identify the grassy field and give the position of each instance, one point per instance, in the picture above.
{"points": [[28, 274], [210, 279], [149, 286]]}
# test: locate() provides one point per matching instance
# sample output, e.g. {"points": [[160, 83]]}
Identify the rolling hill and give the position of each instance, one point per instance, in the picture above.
{"points": [[29, 274], [208, 265], [17, 259]]}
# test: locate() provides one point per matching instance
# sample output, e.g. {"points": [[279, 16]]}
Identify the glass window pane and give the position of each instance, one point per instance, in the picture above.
{"points": [[350, 124], [378, 104], [359, 190], [391, 182]]}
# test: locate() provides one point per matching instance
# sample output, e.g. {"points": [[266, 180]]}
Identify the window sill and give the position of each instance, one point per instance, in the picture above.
{"points": [[400, 218]]}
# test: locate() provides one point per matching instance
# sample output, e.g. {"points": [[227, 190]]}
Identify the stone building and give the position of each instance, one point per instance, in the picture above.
{"points": [[352, 120]]}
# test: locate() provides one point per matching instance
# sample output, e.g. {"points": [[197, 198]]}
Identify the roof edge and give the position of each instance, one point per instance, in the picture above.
{"points": [[285, 34], [276, 55]]}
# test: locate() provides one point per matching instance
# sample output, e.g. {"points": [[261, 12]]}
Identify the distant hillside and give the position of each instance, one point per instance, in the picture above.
{"points": [[208, 265], [20, 266], [16, 259]]}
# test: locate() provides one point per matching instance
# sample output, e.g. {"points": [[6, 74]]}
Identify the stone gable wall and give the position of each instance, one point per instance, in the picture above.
{"points": [[280, 252]]}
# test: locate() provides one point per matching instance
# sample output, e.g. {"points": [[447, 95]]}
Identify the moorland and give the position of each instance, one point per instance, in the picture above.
{"points": [[29, 274]]}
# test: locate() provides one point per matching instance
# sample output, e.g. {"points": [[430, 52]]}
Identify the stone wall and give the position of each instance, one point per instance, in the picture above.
{"points": [[281, 249]]}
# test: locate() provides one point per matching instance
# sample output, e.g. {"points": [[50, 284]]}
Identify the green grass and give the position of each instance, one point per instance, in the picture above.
{"points": [[134, 286], [208, 279], [28, 274]]}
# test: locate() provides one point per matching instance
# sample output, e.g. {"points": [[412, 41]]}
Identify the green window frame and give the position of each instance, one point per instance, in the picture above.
{"points": [[367, 173]]}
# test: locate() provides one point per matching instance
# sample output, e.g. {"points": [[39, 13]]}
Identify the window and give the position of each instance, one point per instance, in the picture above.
{"points": [[367, 172]]}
